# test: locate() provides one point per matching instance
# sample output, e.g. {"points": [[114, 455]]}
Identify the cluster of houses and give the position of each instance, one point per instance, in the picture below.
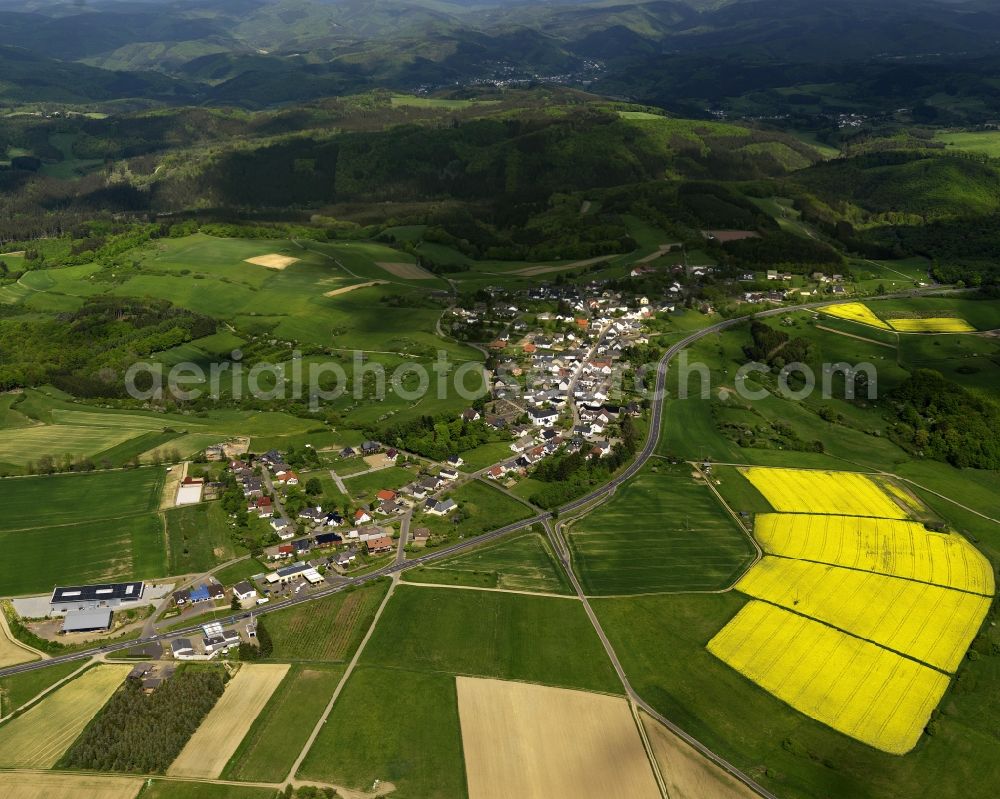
{"points": [[207, 591], [215, 640]]}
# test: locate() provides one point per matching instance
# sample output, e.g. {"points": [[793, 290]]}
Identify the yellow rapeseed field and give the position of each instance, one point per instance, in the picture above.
{"points": [[887, 546], [856, 312], [853, 686], [841, 493], [932, 624], [941, 324]]}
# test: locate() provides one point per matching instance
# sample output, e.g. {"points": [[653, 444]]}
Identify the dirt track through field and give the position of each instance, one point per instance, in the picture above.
{"points": [[214, 742], [67, 786], [355, 287], [687, 774], [536, 742], [404, 270], [534, 271]]}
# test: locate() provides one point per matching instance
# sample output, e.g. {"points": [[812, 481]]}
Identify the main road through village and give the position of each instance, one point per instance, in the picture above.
{"points": [[655, 429]]}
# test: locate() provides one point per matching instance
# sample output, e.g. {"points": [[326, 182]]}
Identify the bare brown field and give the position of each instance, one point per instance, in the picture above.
{"points": [[39, 737], [67, 786], [534, 271], [536, 742], [355, 287], [686, 773], [272, 261], [170, 485], [11, 652], [378, 461], [216, 740], [730, 235], [405, 270]]}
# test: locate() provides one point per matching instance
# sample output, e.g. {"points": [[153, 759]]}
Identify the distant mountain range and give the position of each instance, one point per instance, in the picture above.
{"points": [[750, 56]]}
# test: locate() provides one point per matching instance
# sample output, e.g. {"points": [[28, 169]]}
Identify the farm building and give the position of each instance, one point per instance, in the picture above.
{"points": [[91, 597], [189, 491], [87, 621]]}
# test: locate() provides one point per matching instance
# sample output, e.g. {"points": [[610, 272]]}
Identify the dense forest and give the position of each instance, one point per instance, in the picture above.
{"points": [[87, 351], [143, 733], [941, 420]]}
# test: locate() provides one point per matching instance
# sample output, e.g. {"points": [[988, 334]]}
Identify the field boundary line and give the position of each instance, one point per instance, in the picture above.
{"points": [[852, 335], [954, 502], [55, 686], [883, 574], [648, 749], [492, 590], [855, 636]]}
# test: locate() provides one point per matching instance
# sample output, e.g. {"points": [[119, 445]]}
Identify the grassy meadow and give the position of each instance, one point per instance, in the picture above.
{"points": [[329, 629], [524, 562], [487, 634], [662, 531], [81, 528], [279, 732], [396, 726]]}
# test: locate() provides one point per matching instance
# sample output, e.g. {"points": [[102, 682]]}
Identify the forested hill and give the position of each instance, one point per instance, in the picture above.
{"points": [[522, 146]]}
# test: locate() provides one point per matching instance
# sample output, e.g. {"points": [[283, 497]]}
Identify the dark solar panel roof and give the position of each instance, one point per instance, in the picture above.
{"points": [[97, 593]]}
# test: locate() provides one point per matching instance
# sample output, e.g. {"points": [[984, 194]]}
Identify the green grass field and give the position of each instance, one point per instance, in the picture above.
{"points": [[86, 552], [396, 726], [198, 537], [18, 689], [46, 543], [986, 142], [485, 455], [178, 789], [481, 508], [365, 486], [270, 748], [243, 570], [488, 634], [661, 642], [663, 531], [522, 563], [328, 629]]}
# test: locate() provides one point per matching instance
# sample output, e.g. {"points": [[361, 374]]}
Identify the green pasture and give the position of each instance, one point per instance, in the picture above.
{"points": [[179, 789], [367, 485], [486, 455], [198, 538], [663, 531], [329, 629], [18, 689], [481, 508], [270, 748], [92, 551], [393, 725], [490, 634], [986, 142], [37, 502], [522, 563]]}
